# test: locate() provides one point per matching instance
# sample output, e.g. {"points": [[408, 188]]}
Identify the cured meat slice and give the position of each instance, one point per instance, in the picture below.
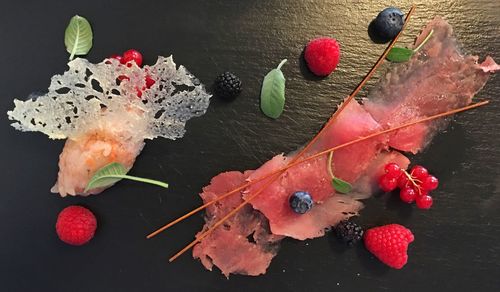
{"points": [[244, 244], [437, 79], [313, 177]]}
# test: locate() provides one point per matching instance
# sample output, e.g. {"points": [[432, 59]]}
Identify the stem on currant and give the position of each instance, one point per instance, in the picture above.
{"points": [[413, 182]]}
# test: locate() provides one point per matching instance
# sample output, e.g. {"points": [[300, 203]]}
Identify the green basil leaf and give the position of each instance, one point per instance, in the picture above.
{"points": [[78, 36], [272, 95], [341, 186], [113, 173], [399, 55]]}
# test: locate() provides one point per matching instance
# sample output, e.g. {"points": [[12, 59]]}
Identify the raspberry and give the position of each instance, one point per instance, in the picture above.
{"points": [[349, 232], [322, 55], [76, 225], [389, 244]]}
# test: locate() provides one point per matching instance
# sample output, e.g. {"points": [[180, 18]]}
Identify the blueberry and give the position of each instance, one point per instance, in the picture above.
{"points": [[301, 202], [386, 25]]}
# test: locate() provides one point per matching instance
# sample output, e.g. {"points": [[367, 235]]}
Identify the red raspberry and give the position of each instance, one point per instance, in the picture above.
{"points": [[76, 225], [322, 55], [389, 244]]}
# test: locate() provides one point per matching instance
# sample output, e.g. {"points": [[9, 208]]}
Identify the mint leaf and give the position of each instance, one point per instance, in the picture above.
{"points": [[272, 95], [341, 186], [78, 36], [113, 173], [398, 55]]}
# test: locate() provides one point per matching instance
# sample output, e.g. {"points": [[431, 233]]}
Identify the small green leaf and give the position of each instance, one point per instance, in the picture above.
{"points": [[272, 95], [113, 173], [78, 36], [399, 55], [341, 186]]}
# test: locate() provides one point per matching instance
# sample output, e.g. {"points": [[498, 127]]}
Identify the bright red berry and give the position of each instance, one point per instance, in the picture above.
{"points": [[387, 184], [132, 55], [408, 195], [430, 183], [392, 170], [139, 92], [389, 244], [76, 225], [118, 57], [403, 181], [424, 202], [123, 77], [149, 82], [322, 55], [422, 192], [419, 172]]}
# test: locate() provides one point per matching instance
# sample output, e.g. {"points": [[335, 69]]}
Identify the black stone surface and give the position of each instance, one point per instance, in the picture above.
{"points": [[457, 241]]}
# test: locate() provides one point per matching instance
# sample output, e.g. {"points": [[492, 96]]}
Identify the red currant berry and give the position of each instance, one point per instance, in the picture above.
{"points": [[419, 172], [392, 170], [422, 192], [408, 195], [430, 183], [387, 184], [403, 181], [118, 57], [139, 92], [123, 77], [132, 55], [149, 82], [424, 202]]}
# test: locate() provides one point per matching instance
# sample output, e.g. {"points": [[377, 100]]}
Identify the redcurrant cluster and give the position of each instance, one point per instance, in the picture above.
{"points": [[414, 186], [129, 56], [126, 59]]}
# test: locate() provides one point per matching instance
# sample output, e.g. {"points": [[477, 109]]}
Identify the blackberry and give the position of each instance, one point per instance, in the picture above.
{"points": [[349, 232], [227, 85]]}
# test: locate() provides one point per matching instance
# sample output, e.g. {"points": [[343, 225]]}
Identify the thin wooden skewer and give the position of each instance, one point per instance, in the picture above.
{"points": [[427, 119], [330, 121]]}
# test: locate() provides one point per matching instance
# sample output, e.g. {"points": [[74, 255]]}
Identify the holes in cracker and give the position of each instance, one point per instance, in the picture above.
{"points": [[94, 95]]}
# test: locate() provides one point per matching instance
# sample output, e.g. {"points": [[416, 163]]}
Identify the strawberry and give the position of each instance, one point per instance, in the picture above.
{"points": [[389, 244]]}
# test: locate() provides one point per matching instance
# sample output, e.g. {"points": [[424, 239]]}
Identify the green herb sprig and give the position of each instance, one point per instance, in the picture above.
{"points": [[113, 173], [272, 95], [78, 36], [338, 184], [398, 54]]}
